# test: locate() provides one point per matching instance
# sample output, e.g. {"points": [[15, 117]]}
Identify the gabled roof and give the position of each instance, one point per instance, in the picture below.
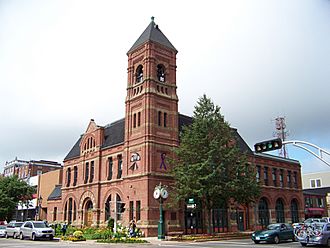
{"points": [[114, 135], [152, 33], [75, 150], [56, 193]]}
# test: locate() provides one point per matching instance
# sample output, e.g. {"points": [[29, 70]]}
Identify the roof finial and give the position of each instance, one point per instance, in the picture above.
{"points": [[152, 19]]}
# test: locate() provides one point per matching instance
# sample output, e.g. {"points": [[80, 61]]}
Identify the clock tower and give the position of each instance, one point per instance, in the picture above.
{"points": [[151, 117]]}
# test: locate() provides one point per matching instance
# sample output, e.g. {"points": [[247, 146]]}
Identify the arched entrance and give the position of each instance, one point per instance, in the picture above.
{"points": [[88, 210], [279, 209], [294, 211], [263, 212]]}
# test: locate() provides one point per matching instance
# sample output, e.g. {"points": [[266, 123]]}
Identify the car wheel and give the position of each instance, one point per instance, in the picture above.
{"points": [[328, 243], [276, 239], [34, 238], [15, 235], [256, 241], [51, 237], [21, 236], [6, 235], [303, 244]]}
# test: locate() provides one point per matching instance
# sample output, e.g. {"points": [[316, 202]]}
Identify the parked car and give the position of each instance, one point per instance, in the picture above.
{"points": [[312, 220], [12, 229], [274, 233], [317, 233], [35, 230], [327, 219], [2, 231]]}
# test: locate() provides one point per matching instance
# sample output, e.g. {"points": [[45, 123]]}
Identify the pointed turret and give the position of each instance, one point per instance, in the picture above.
{"points": [[154, 34]]}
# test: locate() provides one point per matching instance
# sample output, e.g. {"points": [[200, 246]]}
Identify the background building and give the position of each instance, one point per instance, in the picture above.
{"points": [[30, 171], [316, 188], [25, 169]]}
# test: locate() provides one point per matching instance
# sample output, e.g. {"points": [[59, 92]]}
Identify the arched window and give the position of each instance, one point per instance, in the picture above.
{"points": [[70, 211], [74, 211], [118, 202], [110, 168], [68, 177], [279, 209], [65, 211], [75, 175], [161, 73], [107, 208], [159, 118], [294, 211], [139, 74], [263, 212], [134, 120], [91, 172]]}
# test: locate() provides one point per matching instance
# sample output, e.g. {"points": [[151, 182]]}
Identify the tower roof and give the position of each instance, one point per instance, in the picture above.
{"points": [[152, 33]]}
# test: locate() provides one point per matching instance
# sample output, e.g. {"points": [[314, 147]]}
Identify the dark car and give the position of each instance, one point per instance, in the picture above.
{"points": [[316, 233], [274, 233]]}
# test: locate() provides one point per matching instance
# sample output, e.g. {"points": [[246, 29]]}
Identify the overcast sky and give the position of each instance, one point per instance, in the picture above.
{"points": [[64, 62]]}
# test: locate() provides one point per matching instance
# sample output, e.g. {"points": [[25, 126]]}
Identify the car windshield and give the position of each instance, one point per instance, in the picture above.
{"points": [[18, 224], [273, 227], [40, 225]]}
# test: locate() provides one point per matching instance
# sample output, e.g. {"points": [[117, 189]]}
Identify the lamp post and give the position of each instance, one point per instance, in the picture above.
{"points": [[161, 194]]}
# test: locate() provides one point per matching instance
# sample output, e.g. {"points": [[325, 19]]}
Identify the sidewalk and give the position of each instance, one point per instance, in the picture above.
{"points": [[200, 238]]}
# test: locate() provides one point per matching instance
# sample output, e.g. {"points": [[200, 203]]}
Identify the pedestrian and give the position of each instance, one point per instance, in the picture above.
{"points": [[132, 227], [64, 227]]}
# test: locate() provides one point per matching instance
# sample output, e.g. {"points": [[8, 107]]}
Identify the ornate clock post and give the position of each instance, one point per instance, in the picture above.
{"points": [[161, 194]]}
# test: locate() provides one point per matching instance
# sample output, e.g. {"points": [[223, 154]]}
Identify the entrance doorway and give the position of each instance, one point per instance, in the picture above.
{"points": [[240, 220], [88, 213]]}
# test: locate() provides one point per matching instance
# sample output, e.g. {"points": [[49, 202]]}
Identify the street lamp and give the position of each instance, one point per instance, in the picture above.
{"points": [[161, 194]]}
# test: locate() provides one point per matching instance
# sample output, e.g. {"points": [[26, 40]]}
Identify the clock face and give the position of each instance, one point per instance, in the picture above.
{"points": [[156, 193], [164, 193]]}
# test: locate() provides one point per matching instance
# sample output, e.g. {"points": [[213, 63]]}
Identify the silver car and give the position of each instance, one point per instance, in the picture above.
{"points": [[2, 231], [12, 229], [316, 233], [35, 230]]}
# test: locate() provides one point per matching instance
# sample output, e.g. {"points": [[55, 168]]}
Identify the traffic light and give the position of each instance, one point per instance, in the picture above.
{"points": [[121, 207], [268, 145]]}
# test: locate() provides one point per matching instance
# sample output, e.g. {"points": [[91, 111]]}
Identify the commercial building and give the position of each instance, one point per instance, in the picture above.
{"points": [[316, 189]]}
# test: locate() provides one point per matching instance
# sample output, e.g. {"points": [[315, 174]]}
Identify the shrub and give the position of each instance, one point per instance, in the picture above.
{"points": [[111, 223], [78, 234]]}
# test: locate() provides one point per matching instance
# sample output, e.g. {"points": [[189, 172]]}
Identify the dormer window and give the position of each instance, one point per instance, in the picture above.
{"points": [[89, 145], [161, 73], [139, 74]]}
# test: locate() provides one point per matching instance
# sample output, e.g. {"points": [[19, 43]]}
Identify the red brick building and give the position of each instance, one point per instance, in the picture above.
{"points": [[124, 161]]}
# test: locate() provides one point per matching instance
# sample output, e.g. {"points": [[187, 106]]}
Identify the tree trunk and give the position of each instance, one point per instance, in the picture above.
{"points": [[208, 220]]}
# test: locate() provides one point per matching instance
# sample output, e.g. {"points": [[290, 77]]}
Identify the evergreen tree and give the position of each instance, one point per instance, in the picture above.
{"points": [[13, 190], [208, 164]]}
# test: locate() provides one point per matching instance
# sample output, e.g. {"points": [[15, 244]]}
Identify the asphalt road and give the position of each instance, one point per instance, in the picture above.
{"points": [[242, 243]]}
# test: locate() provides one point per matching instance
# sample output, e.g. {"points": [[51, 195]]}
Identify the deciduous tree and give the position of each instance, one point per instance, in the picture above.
{"points": [[208, 163], [13, 190]]}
